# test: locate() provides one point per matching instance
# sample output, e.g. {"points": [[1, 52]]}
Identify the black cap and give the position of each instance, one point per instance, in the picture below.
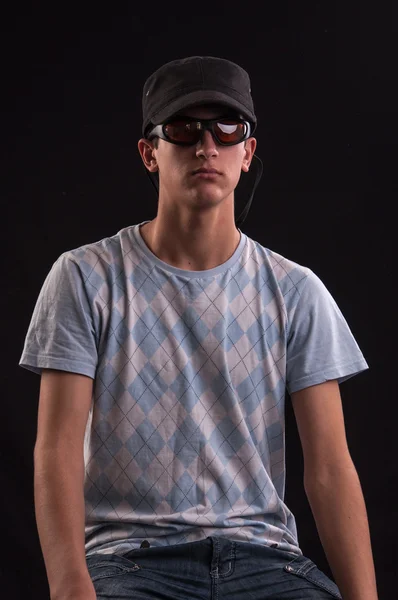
{"points": [[192, 81]]}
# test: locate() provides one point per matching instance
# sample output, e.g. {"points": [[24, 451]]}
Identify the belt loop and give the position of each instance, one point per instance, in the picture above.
{"points": [[216, 556]]}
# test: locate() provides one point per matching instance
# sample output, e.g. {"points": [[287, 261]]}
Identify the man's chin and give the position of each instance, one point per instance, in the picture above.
{"points": [[208, 191]]}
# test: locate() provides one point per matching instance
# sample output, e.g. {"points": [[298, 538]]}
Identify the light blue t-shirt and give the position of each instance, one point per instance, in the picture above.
{"points": [[186, 435]]}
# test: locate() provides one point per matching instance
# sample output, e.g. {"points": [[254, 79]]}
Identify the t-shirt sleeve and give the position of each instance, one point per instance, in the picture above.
{"points": [[320, 344], [61, 334]]}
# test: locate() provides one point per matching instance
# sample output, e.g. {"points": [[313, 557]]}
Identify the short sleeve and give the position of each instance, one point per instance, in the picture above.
{"points": [[320, 343], [61, 334]]}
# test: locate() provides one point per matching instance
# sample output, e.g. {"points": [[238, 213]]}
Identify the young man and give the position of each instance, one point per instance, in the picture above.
{"points": [[165, 353]]}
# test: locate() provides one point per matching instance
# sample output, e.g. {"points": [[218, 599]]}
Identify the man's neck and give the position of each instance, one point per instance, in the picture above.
{"points": [[191, 250]]}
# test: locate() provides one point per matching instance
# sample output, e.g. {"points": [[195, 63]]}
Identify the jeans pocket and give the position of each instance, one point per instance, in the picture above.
{"points": [[101, 567], [306, 569]]}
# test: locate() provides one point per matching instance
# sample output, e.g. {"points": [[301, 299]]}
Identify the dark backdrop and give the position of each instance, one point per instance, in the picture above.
{"points": [[324, 82]]}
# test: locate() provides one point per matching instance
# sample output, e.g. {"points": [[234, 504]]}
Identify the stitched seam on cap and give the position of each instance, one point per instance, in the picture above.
{"points": [[201, 71]]}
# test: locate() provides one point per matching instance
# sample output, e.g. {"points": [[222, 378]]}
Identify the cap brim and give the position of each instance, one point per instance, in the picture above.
{"points": [[199, 97]]}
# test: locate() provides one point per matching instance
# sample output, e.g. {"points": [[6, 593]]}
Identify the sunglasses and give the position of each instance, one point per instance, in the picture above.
{"points": [[187, 131]]}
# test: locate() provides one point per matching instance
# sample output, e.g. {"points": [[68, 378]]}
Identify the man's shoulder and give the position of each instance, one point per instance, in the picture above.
{"points": [[285, 270], [105, 251]]}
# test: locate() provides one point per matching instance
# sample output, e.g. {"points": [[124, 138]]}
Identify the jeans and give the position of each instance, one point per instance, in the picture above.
{"points": [[211, 569]]}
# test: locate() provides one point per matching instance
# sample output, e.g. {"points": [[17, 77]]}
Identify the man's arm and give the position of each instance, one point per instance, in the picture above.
{"points": [[64, 404], [333, 490]]}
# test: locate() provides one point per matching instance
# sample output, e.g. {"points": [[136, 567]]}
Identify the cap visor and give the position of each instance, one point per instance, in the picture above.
{"points": [[197, 98]]}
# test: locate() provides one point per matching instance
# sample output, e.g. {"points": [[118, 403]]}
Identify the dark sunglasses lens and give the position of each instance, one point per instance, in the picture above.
{"points": [[227, 131], [182, 131], [230, 131]]}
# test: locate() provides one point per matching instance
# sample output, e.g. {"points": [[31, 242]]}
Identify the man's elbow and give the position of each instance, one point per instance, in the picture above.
{"points": [[330, 474]]}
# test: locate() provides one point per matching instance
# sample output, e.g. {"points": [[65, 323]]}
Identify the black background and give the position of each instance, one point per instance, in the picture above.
{"points": [[324, 83]]}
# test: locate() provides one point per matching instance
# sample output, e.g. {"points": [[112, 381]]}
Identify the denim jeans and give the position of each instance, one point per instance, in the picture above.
{"points": [[211, 569]]}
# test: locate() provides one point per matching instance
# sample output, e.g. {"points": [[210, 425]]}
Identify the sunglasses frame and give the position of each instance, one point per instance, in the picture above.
{"points": [[206, 125]]}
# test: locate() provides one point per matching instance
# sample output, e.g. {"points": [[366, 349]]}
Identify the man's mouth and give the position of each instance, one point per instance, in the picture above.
{"points": [[206, 172]]}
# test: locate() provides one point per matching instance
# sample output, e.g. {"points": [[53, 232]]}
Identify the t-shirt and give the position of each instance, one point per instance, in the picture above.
{"points": [[186, 434]]}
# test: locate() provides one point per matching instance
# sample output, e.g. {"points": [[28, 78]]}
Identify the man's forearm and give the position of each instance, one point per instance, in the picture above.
{"points": [[59, 507], [339, 510]]}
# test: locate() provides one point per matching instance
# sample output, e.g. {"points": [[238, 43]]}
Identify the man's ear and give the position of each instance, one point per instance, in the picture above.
{"points": [[250, 147], [148, 154]]}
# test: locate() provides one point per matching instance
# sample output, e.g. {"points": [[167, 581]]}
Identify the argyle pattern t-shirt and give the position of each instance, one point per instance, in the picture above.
{"points": [[186, 434]]}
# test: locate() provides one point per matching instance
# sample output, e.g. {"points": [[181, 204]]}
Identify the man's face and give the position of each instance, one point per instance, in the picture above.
{"points": [[177, 165]]}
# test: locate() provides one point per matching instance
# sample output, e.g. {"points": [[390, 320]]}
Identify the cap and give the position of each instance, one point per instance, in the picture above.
{"points": [[192, 81]]}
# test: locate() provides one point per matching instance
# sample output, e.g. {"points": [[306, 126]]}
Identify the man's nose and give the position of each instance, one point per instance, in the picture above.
{"points": [[207, 145]]}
